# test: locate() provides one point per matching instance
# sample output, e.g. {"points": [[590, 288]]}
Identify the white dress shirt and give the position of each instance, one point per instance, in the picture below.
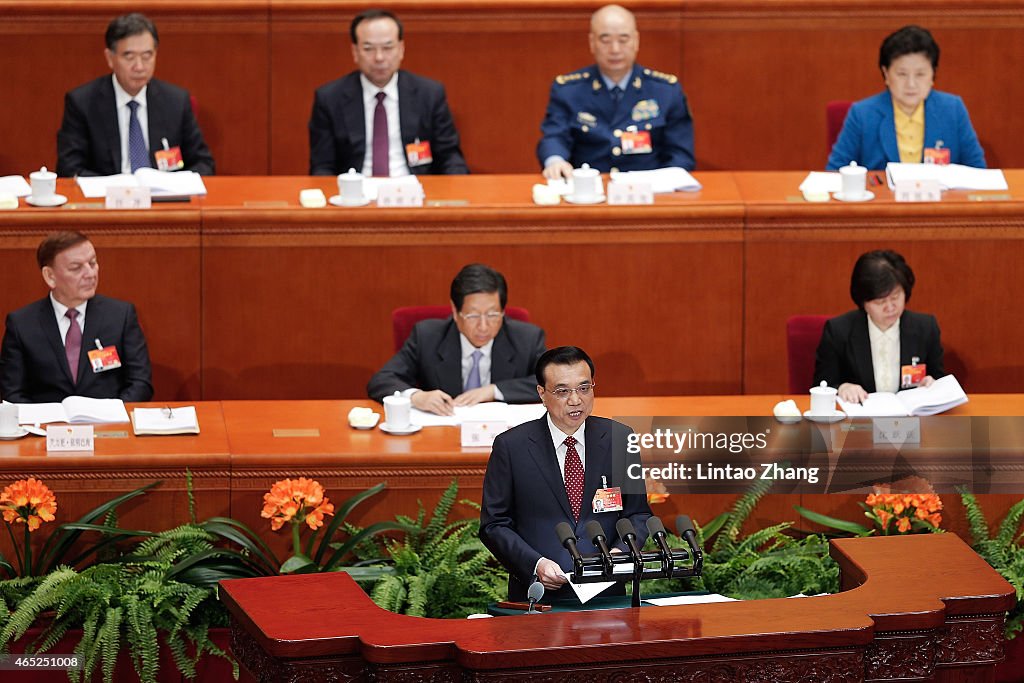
{"points": [[396, 150], [885, 356], [121, 100], [558, 439], [485, 363], [64, 322]]}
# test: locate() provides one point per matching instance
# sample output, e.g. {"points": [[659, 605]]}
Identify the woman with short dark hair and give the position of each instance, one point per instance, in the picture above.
{"points": [[868, 349], [909, 118]]}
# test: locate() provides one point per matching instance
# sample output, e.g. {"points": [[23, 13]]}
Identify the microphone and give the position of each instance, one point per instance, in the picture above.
{"points": [[657, 531], [567, 537], [685, 528], [627, 533], [596, 534], [534, 593]]}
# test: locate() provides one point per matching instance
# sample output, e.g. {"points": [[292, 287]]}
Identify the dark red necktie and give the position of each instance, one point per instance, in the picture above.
{"points": [[73, 343], [381, 167], [573, 477]]}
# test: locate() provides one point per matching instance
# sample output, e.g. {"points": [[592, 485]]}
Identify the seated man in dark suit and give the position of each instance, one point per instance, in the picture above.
{"points": [[379, 120], [548, 471], [45, 353], [473, 357], [114, 124]]}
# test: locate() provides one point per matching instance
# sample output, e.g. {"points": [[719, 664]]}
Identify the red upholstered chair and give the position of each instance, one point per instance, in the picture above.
{"points": [[835, 115], [404, 317], [803, 332]]}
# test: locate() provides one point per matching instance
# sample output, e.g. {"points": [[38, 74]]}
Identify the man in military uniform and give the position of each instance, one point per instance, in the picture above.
{"points": [[615, 114]]}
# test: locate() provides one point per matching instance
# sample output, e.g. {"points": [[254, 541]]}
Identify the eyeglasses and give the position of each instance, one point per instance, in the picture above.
{"points": [[562, 393], [489, 318]]}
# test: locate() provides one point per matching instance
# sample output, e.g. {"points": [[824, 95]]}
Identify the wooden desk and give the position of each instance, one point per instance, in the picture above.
{"points": [[945, 622]]}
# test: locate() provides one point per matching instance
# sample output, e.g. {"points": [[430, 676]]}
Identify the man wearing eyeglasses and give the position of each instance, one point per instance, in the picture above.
{"points": [[560, 468], [130, 120], [475, 356], [380, 120]]}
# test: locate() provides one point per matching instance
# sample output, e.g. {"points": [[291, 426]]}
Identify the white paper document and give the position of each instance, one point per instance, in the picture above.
{"points": [[74, 410], [16, 185], [371, 186], [818, 182], [949, 176], [689, 599], [661, 180], [510, 414], [586, 591], [180, 420], [944, 394], [160, 183]]}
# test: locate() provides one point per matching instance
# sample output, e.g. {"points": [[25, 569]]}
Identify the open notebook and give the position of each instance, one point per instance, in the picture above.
{"points": [[74, 410], [946, 393]]}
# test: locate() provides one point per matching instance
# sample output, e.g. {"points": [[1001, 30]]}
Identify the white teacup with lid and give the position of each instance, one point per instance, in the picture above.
{"points": [[586, 182], [823, 399], [855, 181], [44, 184], [397, 411], [350, 187], [8, 419]]}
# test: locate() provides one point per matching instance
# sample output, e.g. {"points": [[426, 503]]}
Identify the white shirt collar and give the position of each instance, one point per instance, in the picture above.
{"points": [[876, 333], [121, 96], [468, 348], [60, 309], [558, 436], [370, 90]]}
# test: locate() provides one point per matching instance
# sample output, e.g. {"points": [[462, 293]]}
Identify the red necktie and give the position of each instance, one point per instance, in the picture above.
{"points": [[573, 477], [381, 167], [73, 343]]}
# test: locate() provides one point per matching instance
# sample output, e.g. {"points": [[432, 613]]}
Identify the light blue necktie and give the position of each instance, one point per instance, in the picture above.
{"points": [[138, 154], [473, 378]]}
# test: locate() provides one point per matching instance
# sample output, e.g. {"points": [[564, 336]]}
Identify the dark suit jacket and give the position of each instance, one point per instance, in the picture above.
{"points": [[337, 126], [34, 368], [431, 358], [89, 143], [524, 498], [844, 353]]}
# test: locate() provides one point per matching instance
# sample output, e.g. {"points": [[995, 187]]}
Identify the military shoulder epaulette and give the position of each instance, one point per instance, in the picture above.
{"points": [[661, 75], [562, 79]]}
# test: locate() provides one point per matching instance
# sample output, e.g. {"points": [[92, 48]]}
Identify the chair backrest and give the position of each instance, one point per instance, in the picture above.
{"points": [[404, 317], [803, 332], [835, 116]]}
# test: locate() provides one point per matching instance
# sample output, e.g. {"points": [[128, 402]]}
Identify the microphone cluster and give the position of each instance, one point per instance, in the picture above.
{"points": [[600, 566]]}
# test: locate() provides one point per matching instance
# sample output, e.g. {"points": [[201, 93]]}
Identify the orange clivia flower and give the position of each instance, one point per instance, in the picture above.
{"points": [[28, 501], [653, 498], [903, 525], [296, 500]]}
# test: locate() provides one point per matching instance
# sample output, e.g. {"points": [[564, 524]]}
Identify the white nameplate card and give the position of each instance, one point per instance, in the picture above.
{"points": [[70, 438], [896, 431], [624, 192], [481, 433], [129, 198], [918, 191], [399, 194]]}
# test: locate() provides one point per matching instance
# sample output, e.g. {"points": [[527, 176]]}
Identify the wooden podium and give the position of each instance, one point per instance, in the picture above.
{"points": [[912, 608]]}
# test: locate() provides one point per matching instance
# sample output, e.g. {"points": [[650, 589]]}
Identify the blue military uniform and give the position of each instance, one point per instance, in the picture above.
{"points": [[584, 124]]}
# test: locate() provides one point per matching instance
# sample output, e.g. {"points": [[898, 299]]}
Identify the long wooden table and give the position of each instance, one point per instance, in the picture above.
{"points": [[245, 446], [936, 617], [245, 295]]}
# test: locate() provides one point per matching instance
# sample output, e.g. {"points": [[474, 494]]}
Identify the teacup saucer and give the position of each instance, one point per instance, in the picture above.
{"points": [[53, 200], [400, 431], [788, 419], [11, 436], [834, 416], [584, 199], [866, 196], [337, 200]]}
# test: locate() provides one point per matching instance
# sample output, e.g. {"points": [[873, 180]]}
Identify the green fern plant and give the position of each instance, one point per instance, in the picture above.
{"points": [[1003, 551], [440, 569]]}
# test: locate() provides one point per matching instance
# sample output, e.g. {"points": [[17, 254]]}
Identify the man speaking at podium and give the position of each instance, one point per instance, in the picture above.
{"points": [[553, 470]]}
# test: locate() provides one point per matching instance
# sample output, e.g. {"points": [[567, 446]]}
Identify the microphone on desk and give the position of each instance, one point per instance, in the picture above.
{"points": [[596, 534], [627, 532], [534, 593], [685, 528], [657, 531], [567, 537]]}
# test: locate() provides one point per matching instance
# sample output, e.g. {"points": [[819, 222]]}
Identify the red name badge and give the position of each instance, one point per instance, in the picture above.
{"points": [[636, 142], [104, 359], [936, 155], [418, 153], [169, 159], [911, 375], [608, 500]]}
